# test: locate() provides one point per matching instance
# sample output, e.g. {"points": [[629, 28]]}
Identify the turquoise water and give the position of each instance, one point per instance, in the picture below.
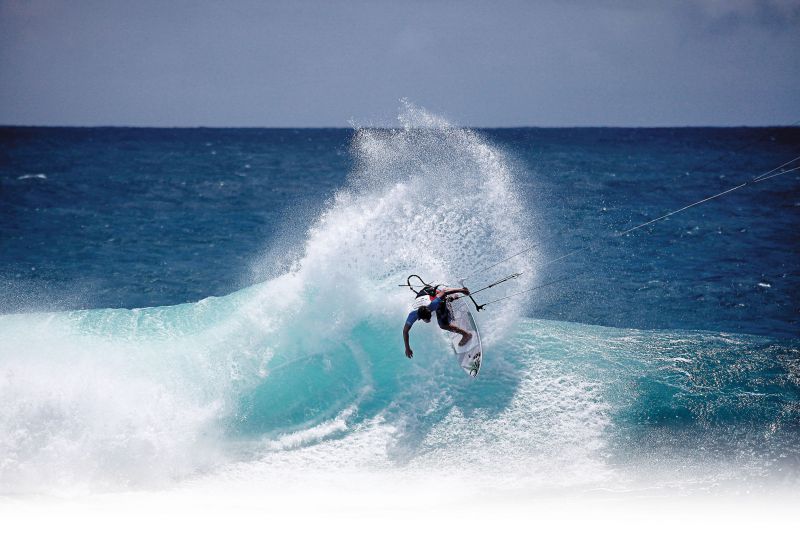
{"points": [[287, 350]]}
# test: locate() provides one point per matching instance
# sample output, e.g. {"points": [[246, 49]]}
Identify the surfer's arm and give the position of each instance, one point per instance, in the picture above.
{"points": [[448, 292], [406, 329]]}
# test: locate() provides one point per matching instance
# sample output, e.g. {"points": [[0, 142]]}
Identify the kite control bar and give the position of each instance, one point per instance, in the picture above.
{"points": [[477, 307]]}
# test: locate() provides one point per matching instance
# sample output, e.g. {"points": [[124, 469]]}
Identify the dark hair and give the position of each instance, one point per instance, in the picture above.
{"points": [[423, 312]]}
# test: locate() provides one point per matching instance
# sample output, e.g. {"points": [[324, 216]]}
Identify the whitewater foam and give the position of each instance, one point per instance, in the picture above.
{"points": [[122, 397]]}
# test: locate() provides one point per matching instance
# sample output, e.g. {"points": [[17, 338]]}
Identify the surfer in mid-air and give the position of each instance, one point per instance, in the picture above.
{"points": [[430, 300]]}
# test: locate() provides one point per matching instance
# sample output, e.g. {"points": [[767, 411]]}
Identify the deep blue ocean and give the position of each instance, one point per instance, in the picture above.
{"points": [[178, 300]]}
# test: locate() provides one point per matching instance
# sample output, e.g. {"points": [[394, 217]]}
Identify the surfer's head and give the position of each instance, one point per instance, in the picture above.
{"points": [[424, 313]]}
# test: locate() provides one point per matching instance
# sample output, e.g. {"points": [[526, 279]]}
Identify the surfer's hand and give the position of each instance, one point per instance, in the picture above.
{"points": [[465, 291], [409, 353]]}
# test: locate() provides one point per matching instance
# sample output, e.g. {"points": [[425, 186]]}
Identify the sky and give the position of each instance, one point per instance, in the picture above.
{"points": [[334, 63]]}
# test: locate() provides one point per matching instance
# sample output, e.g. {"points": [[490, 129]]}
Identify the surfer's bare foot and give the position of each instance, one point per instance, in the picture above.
{"points": [[465, 339]]}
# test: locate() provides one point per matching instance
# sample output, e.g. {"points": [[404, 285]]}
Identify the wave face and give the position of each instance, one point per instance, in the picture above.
{"points": [[306, 370]]}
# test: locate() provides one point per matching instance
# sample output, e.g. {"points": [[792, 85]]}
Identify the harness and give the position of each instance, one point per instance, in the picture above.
{"points": [[425, 296], [427, 289], [430, 290]]}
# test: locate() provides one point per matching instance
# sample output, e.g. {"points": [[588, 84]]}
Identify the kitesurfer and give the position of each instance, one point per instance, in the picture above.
{"points": [[430, 300]]}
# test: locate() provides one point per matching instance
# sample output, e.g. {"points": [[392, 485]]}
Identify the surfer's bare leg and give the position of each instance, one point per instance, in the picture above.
{"points": [[465, 335]]}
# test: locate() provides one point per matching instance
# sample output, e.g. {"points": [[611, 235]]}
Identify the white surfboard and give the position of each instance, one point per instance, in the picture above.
{"points": [[470, 356]]}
